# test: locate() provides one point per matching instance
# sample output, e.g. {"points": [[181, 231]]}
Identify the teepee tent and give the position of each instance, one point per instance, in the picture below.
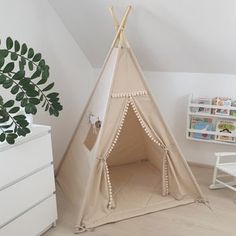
{"points": [[123, 161]]}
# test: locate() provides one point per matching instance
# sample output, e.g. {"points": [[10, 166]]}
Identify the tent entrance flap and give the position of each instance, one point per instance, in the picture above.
{"points": [[136, 167]]}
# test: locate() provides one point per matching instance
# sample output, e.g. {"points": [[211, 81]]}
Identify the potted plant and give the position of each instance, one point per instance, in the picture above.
{"points": [[25, 74]]}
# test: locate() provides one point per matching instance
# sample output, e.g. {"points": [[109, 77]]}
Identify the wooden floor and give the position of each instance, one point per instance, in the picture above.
{"points": [[190, 220]]}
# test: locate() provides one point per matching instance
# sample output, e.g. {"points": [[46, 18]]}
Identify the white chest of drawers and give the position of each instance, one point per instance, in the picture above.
{"points": [[27, 187]]}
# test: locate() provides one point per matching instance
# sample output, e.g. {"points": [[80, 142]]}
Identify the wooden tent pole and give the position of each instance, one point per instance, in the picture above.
{"points": [[116, 24], [120, 28], [115, 20]]}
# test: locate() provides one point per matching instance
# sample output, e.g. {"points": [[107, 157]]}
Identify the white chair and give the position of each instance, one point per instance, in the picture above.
{"points": [[227, 169]]}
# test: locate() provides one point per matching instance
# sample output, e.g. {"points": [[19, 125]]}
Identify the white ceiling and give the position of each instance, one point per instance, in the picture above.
{"points": [[167, 35]]}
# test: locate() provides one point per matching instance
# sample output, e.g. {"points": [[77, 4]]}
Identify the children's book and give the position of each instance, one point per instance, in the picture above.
{"points": [[226, 127], [200, 123], [204, 101], [233, 104]]}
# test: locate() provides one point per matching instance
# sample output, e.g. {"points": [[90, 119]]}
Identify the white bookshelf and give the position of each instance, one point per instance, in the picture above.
{"points": [[193, 113]]}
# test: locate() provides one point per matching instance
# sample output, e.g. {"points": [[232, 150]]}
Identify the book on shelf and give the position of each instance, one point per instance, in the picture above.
{"points": [[226, 127], [221, 101], [233, 104], [199, 123], [204, 101]]}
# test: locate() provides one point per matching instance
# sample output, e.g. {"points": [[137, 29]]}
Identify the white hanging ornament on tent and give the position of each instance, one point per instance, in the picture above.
{"points": [[95, 122]]}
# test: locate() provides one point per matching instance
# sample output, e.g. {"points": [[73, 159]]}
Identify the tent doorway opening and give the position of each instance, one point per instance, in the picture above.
{"points": [[136, 168]]}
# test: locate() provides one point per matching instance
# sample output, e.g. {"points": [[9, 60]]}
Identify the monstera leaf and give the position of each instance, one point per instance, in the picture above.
{"points": [[26, 75]]}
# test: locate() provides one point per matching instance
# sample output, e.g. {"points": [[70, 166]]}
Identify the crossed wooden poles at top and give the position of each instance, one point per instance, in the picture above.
{"points": [[120, 27]]}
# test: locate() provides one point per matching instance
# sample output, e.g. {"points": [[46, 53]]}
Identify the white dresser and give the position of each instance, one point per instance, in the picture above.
{"points": [[27, 187]]}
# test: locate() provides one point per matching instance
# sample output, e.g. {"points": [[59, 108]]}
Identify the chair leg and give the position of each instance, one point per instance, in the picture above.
{"points": [[214, 185]]}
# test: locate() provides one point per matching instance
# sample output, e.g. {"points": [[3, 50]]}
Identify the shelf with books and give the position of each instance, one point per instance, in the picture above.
{"points": [[210, 141], [212, 120], [233, 108], [206, 132], [212, 115]]}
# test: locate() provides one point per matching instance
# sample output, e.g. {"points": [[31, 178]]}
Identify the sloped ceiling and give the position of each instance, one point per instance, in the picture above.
{"points": [[167, 35]]}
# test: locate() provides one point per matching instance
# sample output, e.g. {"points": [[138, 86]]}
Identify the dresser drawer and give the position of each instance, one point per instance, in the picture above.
{"points": [[33, 222], [23, 195], [22, 159]]}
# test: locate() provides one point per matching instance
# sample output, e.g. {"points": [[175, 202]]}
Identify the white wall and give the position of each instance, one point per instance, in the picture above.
{"points": [[167, 35], [171, 92], [36, 23]]}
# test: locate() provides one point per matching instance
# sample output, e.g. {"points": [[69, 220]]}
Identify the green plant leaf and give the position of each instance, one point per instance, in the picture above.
{"points": [[3, 53], [30, 109], [44, 103], [32, 93], [23, 61], [21, 65], [6, 126], [20, 132], [2, 61], [2, 79], [52, 95], [19, 75], [2, 137], [42, 63], [14, 110], [9, 43], [42, 81], [9, 103], [55, 113], [15, 89], [11, 138], [24, 101], [50, 111], [20, 96], [34, 101], [9, 67], [24, 82], [54, 99], [19, 117], [8, 131], [23, 122], [7, 84], [14, 56], [5, 118], [36, 74], [57, 106], [17, 46], [37, 57], [45, 74], [23, 49], [30, 65], [30, 53], [26, 130], [50, 86], [47, 106]]}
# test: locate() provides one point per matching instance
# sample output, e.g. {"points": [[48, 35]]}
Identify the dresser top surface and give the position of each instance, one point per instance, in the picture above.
{"points": [[36, 132]]}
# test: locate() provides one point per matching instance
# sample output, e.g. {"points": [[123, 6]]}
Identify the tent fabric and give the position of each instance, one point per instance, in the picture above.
{"points": [[135, 166]]}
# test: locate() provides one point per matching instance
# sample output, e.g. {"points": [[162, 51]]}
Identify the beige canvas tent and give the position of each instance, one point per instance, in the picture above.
{"points": [[123, 161]]}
